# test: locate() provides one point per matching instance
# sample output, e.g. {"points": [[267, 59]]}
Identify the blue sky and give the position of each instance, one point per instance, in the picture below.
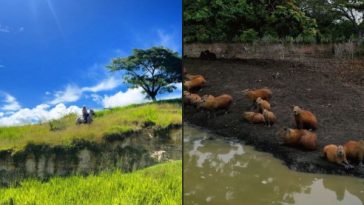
{"points": [[53, 52]]}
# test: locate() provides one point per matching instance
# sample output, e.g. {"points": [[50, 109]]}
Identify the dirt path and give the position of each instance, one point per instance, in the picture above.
{"points": [[332, 90]]}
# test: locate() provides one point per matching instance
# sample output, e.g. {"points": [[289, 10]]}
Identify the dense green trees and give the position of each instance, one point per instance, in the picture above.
{"points": [[273, 20], [337, 20]]}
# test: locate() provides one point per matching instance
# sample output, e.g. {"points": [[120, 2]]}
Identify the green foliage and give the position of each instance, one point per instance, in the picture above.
{"points": [[243, 20], [55, 125], [160, 184], [337, 20], [288, 20], [154, 70], [110, 121], [216, 20], [305, 21], [307, 39], [248, 36], [272, 38]]}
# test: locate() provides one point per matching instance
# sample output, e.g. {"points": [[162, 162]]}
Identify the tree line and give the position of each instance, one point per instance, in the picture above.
{"points": [[305, 21]]}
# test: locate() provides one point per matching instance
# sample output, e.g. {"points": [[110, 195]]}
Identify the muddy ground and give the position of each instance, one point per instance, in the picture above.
{"points": [[332, 89]]}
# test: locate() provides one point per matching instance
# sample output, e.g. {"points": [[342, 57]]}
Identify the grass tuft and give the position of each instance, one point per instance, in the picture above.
{"points": [[160, 184]]}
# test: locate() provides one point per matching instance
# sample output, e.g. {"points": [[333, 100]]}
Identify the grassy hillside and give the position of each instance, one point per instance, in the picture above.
{"points": [[160, 184], [117, 120]]}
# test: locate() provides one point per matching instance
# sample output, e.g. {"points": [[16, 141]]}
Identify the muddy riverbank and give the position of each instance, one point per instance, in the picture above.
{"points": [[331, 89]]}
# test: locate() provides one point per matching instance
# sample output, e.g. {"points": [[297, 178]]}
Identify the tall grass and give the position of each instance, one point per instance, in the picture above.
{"points": [[160, 184], [111, 121]]}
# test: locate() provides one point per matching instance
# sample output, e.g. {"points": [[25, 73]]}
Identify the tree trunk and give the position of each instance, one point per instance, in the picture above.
{"points": [[151, 94], [360, 37]]}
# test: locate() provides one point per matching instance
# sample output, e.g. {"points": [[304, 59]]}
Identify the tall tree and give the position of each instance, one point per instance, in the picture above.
{"points": [[353, 11], [288, 19], [155, 70]]}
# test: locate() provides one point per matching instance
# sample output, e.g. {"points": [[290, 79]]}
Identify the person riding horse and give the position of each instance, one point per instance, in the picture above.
{"points": [[84, 114], [86, 117]]}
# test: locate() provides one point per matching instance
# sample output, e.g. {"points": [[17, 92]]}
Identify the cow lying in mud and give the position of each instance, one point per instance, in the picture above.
{"points": [[206, 102], [257, 95], [301, 127], [194, 83], [209, 103], [191, 98], [212, 103], [354, 151], [306, 122], [299, 137], [336, 154], [262, 113], [339, 154]]}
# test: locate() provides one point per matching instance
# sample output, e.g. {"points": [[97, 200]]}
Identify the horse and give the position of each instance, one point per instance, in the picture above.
{"points": [[88, 120]]}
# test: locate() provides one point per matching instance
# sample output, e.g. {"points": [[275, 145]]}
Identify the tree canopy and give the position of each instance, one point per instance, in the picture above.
{"points": [[273, 20], [155, 70]]}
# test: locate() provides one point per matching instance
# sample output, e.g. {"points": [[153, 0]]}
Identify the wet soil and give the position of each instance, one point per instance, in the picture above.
{"points": [[332, 89]]}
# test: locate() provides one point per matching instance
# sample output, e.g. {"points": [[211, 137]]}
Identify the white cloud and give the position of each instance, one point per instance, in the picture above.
{"points": [[131, 96], [120, 52], [11, 104], [40, 113], [96, 71], [170, 39], [96, 98], [107, 84], [135, 96], [175, 94], [7, 29], [4, 29], [73, 93], [45, 112], [179, 86], [167, 40]]}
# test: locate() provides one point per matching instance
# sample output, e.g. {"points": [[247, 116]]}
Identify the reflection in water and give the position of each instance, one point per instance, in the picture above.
{"points": [[221, 172]]}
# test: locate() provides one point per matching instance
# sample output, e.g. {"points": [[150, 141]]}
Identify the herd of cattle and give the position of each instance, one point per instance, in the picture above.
{"points": [[303, 135]]}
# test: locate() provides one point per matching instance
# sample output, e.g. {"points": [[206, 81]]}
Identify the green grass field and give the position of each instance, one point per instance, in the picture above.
{"points": [[117, 120], [160, 184]]}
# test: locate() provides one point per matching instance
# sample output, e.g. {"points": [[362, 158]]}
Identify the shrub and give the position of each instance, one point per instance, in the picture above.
{"points": [[56, 125], [248, 36], [270, 38]]}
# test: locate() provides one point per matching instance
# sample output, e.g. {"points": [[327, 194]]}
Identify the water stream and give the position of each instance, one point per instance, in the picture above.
{"points": [[220, 171]]}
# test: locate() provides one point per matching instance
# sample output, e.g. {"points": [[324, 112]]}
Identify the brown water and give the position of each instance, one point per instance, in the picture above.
{"points": [[217, 171]]}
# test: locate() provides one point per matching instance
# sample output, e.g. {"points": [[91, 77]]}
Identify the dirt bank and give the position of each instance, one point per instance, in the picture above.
{"points": [[333, 90], [274, 51], [126, 151]]}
